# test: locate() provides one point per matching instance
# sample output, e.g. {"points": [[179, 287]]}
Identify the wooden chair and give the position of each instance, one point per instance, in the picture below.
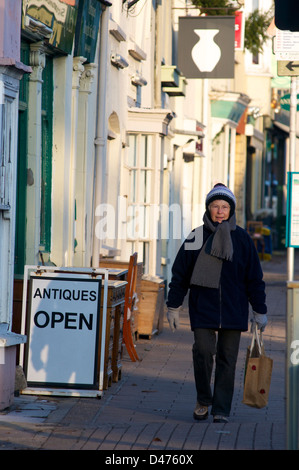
{"points": [[130, 299], [255, 228]]}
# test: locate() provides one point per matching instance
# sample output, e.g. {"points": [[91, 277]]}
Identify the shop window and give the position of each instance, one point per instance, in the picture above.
{"points": [[140, 162], [5, 151]]}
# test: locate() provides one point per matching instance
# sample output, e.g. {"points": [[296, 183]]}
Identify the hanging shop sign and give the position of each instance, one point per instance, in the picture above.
{"points": [[60, 16], [87, 28], [206, 46], [292, 228], [63, 331], [239, 30]]}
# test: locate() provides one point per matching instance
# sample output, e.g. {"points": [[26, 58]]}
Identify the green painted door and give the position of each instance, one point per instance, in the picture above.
{"points": [[47, 130], [20, 237], [46, 162]]}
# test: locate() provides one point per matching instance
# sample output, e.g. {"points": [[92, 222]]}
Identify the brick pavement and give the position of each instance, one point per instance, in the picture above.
{"points": [[151, 407]]}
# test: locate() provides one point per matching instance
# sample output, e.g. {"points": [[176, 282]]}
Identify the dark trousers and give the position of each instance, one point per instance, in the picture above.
{"points": [[225, 345]]}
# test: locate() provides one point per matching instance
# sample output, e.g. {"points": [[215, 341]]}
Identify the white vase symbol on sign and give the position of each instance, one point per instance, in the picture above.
{"points": [[206, 53]]}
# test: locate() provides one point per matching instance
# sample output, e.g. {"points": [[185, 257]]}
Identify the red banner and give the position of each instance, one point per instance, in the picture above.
{"points": [[239, 30]]}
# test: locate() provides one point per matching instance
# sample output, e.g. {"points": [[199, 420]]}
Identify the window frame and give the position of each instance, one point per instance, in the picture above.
{"points": [[142, 169]]}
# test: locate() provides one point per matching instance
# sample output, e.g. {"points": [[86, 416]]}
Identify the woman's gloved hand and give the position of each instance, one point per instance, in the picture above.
{"points": [[260, 319], [173, 317]]}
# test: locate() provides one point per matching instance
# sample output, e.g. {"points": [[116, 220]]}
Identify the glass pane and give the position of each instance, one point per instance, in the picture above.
{"points": [[133, 186], [5, 152], [146, 222], [145, 186], [142, 152], [149, 151], [132, 155], [138, 222], [145, 159], [145, 257], [131, 221], [143, 222]]}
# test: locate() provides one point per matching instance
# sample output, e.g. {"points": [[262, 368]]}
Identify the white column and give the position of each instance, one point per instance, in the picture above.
{"points": [[62, 72], [85, 168], [100, 142], [78, 69], [37, 62]]}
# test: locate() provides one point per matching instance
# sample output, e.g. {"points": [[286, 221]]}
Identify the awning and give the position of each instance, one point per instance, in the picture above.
{"points": [[228, 106]]}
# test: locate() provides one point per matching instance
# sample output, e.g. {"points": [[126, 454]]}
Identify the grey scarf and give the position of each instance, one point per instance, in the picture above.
{"points": [[218, 247]]}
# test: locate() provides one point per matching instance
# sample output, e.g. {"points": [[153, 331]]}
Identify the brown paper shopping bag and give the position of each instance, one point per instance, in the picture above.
{"points": [[258, 371]]}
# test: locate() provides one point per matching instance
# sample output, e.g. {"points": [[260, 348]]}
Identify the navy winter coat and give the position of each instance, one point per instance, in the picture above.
{"points": [[241, 283]]}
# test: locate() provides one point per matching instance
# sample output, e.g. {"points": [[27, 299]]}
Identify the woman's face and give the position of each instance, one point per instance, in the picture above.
{"points": [[219, 210]]}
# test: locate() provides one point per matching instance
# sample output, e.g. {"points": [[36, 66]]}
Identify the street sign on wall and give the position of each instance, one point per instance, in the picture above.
{"points": [[63, 331], [206, 46], [287, 68], [286, 45]]}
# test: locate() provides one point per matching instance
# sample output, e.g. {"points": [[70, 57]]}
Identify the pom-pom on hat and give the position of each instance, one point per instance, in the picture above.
{"points": [[220, 191]]}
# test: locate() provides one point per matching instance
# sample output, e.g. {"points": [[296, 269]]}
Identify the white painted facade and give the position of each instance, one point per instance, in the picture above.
{"points": [[9, 92], [11, 72], [102, 117], [109, 112]]}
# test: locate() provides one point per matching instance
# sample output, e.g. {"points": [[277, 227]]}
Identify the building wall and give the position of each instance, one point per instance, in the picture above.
{"points": [[136, 117], [11, 71], [98, 111]]}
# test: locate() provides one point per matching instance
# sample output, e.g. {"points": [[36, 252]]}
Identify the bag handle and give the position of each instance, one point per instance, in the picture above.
{"points": [[256, 338]]}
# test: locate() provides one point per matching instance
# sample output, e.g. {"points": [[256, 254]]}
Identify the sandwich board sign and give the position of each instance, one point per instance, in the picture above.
{"points": [[63, 331]]}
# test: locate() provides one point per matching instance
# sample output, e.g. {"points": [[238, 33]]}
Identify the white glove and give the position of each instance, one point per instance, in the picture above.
{"points": [[260, 319], [173, 317]]}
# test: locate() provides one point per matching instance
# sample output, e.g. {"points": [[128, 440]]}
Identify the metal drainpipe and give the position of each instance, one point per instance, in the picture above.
{"points": [[101, 134]]}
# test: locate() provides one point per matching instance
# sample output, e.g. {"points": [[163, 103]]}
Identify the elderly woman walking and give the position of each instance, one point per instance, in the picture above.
{"points": [[219, 263]]}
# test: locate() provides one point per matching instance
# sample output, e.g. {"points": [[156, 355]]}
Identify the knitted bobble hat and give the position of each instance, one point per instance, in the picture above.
{"points": [[220, 191]]}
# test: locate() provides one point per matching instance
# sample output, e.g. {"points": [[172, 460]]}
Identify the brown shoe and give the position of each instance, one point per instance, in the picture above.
{"points": [[200, 412]]}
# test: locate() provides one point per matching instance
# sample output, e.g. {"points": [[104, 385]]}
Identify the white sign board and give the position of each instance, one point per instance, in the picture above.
{"points": [[286, 45], [63, 331], [292, 235]]}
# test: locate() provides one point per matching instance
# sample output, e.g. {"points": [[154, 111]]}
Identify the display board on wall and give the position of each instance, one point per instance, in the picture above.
{"points": [[87, 29]]}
